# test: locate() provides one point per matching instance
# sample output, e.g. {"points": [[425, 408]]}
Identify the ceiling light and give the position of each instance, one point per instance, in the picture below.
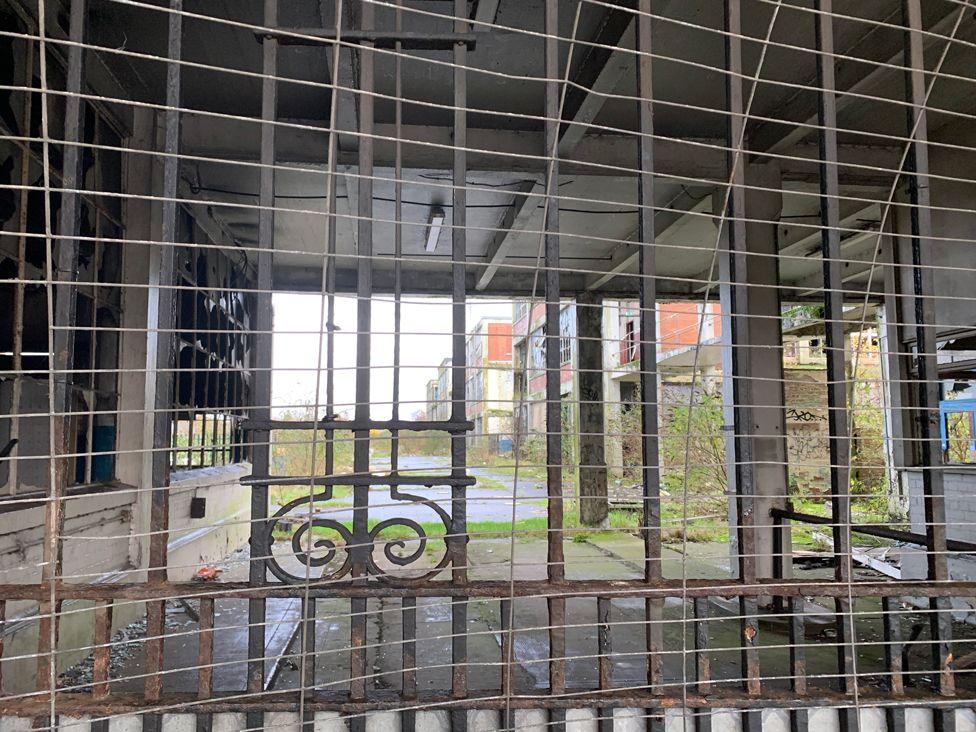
{"points": [[434, 225]]}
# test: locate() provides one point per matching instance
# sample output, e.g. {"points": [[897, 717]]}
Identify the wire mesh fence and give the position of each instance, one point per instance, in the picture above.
{"points": [[396, 364]]}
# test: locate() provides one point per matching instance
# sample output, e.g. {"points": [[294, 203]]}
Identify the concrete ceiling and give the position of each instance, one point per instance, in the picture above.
{"points": [[599, 219]]}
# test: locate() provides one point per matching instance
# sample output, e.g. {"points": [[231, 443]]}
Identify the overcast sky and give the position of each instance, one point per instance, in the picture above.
{"points": [[424, 343]]}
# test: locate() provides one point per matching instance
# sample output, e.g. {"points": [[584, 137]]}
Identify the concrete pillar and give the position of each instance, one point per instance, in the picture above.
{"points": [[763, 357], [142, 225], [593, 500]]}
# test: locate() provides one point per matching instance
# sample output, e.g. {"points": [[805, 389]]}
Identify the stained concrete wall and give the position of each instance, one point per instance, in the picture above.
{"points": [[96, 549], [960, 508]]}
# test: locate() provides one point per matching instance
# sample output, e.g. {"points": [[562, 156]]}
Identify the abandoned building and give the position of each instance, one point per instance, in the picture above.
{"points": [[243, 243]]}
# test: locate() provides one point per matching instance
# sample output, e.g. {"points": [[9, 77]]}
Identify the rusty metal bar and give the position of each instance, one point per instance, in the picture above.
{"points": [[408, 664], [205, 653], [926, 335], [542, 589], [894, 650], [392, 425], [364, 293], [459, 459], [883, 532], [359, 480], [260, 407], [166, 357], [796, 609], [286, 701], [65, 301], [102, 640], [836, 339], [651, 474], [410, 40], [703, 663], [605, 659], [3, 628], [734, 271], [507, 655], [555, 562]]}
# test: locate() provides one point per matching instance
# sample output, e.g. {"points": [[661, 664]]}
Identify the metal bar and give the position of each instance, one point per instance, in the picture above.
{"points": [[650, 471], [836, 340], [926, 334], [605, 667], [459, 458], [205, 653], [165, 358], [364, 293], [555, 565], [400, 425], [359, 480], [262, 361], [102, 640], [19, 293], [409, 40], [796, 608], [3, 629], [735, 263], [408, 664], [72, 704], [703, 664], [507, 654], [555, 562], [894, 650], [62, 357], [308, 651], [542, 589], [884, 532]]}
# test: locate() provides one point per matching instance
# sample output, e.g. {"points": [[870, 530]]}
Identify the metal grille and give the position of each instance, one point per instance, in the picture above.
{"points": [[265, 465]]}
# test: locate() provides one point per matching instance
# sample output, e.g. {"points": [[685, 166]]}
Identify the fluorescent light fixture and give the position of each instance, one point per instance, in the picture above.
{"points": [[434, 225]]}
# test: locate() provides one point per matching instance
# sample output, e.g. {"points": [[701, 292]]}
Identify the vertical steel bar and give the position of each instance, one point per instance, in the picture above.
{"points": [[796, 608], [555, 563], [261, 355], [102, 641], [703, 664], [605, 662], [459, 606], [364, 303], [735, 266], [408, 663], [205, 653], [833, 298], [507, 656], [926, 344], [18, 315], [308, 650], [165, 360], [651, 474], [3, 629], [894, 649], [62, 356]]}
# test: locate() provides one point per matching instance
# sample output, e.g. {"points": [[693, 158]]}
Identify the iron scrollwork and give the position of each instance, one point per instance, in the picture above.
{"points": [[316, 543]]}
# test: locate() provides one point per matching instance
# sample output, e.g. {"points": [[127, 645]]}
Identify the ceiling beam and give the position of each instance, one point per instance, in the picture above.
{"points": [[515, 218], [485, 11], [807, 239], [624, 257], [602, 68], [347, 111], [779, 137], [427, 147]]}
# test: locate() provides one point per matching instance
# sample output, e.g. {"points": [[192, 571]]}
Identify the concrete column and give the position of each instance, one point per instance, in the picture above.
{"points": [[593, 501], [762, 343], [142, 225]]}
